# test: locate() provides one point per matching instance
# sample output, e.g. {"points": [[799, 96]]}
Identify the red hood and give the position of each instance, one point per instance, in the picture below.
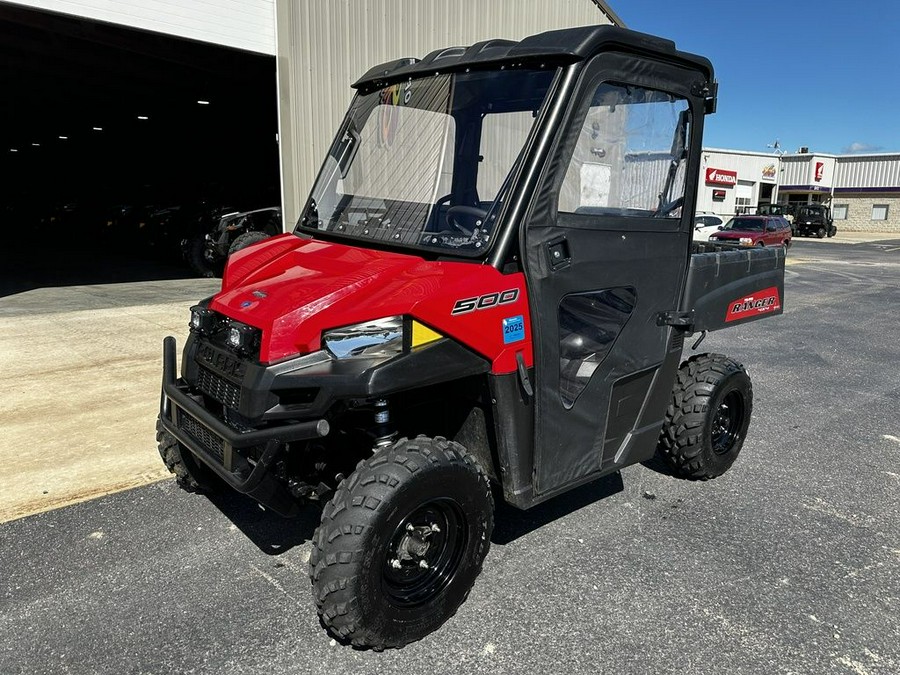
{"points": [[293, 289]]}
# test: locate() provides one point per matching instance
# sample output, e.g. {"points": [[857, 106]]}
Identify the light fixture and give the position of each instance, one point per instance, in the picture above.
{"points": [[36, 145], [98, 128], [143, 117], [203, 102], [63, 138], [13, 149]]}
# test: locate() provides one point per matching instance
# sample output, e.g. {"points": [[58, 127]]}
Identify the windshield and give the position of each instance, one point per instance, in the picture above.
{"points": [[426, 163], [746, 224]]}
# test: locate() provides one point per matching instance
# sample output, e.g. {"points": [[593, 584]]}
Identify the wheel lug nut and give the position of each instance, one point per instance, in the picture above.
{"points": [[409, 527], [395, 564], [423, 564], [435, 528]]}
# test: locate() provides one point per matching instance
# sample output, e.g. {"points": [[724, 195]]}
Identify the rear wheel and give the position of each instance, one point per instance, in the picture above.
{"points": [[401, 543], [196, 255], [708, 418], [190, 474], [245, 240]]}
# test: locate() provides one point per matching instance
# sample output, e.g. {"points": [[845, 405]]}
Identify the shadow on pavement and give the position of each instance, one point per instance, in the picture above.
{"points": [[511, 523], [25, 268], [271, 533]]}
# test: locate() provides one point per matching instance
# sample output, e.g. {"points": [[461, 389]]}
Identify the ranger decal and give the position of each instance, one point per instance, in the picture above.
{"points": [[761, 302]]}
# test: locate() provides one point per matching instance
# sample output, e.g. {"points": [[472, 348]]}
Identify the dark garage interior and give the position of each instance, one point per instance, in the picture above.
{"points": [[119, 144]]}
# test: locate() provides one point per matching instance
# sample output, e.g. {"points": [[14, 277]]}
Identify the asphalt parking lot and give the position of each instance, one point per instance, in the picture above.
{"points": [[787, 564]]}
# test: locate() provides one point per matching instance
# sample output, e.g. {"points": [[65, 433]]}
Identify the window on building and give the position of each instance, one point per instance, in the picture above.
{"points": [[742, 205], [839, 212], [879, 211]]}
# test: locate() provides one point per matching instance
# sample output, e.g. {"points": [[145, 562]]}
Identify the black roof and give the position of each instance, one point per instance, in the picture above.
{"points": [[556, 46]]}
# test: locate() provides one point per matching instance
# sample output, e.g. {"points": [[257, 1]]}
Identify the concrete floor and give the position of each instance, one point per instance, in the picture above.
{"points": [[80, 372]]}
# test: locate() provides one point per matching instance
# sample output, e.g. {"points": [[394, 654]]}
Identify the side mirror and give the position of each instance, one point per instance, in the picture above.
{"points": [[721, 227]]}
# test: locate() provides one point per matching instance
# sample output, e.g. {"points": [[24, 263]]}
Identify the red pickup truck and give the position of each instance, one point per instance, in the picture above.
{"points": [[755, 231]]}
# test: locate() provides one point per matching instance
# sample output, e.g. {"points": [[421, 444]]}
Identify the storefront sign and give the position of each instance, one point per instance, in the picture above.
{"points": [[721, 177], [820, 171], [769, 171], [719, 195]]}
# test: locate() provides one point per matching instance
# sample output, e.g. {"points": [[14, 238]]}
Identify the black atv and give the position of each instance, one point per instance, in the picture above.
{"points": [[814, 220]]}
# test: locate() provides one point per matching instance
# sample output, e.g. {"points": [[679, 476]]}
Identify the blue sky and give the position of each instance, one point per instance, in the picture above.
{"points": [[822, 74]]}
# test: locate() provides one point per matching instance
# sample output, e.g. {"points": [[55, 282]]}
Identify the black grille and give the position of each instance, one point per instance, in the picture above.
{"points": [[222, 390], [202, 435], [223, 363]]}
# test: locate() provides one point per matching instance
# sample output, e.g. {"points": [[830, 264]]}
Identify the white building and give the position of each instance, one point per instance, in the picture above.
{"points": [[734, 181], [863, 191]]}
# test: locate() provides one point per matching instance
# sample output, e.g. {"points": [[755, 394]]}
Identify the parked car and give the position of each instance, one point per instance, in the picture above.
{"points": [[706, 224], [755, 231], [814, 219]]}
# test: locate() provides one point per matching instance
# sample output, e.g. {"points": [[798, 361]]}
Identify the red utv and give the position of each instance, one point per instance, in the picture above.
{"points": [[487, 294]]}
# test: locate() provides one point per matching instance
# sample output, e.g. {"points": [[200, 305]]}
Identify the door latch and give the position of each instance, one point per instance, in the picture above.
{"points": [[675, 318], [558, 252]]}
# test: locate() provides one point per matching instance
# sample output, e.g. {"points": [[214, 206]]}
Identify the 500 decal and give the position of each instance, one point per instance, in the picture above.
{"points": [[467, 305]]}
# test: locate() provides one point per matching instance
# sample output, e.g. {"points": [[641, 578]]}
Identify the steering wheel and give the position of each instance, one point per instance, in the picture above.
{"points": [[460, 216], [665, 209]]}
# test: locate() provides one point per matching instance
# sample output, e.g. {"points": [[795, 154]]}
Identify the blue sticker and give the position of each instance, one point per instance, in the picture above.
{"points": [[513, 329]]}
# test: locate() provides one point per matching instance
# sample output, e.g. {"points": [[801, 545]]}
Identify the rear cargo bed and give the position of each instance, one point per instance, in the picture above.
{"points": [[729, 284]]}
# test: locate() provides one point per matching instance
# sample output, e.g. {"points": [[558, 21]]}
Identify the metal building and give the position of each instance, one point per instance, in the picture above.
{"points": [[735, 181], [862, 190], [323, 47]]}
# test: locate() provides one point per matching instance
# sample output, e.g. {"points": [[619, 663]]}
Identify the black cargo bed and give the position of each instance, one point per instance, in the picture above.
{"points": [[731, 284]]}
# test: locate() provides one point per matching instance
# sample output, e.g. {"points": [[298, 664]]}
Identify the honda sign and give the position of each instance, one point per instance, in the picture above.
{"points": [[721, 177]]}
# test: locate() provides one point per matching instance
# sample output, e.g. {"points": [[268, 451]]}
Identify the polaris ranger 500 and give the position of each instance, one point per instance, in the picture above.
{"points": [[489, 287]]}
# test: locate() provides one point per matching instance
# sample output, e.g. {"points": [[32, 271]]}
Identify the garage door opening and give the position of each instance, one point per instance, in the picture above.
{"points": [[119, 144]]}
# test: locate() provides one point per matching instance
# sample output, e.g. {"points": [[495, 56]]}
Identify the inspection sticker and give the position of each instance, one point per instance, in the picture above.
{"points": [[513, 329]]}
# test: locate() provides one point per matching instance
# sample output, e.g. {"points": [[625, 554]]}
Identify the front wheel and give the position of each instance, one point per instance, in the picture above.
{"points": [[820, 233], [708, 418], [401, 543], [190, 474]]}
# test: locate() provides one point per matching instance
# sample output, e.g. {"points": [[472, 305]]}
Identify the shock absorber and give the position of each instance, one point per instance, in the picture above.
{"points": [[383, 431]]}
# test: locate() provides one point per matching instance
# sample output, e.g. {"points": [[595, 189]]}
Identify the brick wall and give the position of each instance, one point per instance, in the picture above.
{"points": [[859, 212]]}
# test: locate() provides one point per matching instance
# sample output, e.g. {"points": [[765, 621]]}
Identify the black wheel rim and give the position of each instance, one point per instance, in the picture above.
{"points": [[424, 553], [727, 422]]}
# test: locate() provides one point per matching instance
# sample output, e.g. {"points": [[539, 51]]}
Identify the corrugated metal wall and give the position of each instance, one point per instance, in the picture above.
{"points": [[868, 172], [795, 170], [325, 46], [242, 24]]}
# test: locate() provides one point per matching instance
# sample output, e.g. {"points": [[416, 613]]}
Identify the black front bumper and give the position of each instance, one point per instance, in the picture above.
{"points": [[214, 443]]}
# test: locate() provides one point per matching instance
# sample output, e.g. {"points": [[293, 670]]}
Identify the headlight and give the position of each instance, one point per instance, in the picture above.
{"points": [[241, 337], [204, 320], [380, 338], [746, 241]]}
